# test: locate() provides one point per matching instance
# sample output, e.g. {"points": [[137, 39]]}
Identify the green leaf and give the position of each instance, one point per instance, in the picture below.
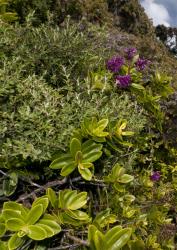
{"points": [[92, 156], [52, 197], [15, 242], [47, 229], [85, 172], [68, 169], [75, 146], [137, 86], [12, 205], [99, 240], [2, 229], [3, 245], [78, 157], [126, 178], [118, 171], [102, 124], [34, 214], [77, 201], [62, 161], [49, 221], [9, 214], [116, 238], [13, 179], [96, 238], [90, 146], [8, 189], [64, 197], [91, 233], [36, 232], [44, 201], [78, 215], [104, 218], [14, 224]]}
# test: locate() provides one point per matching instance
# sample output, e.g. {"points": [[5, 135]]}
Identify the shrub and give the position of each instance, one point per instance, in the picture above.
{"points": [[46, 50]]}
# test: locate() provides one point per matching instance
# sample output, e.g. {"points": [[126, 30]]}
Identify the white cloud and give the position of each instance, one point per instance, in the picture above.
{"points": [[157, 12]]}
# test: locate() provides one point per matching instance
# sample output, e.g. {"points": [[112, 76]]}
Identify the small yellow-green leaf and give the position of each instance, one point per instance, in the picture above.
{"points": [[78, 215], [52, 197], [68, 169], [75, 146], [126, 178], [2, 229], [44, 201], [12, 205], [15, 242], [14, 224], [49, 221], [85, 173], [77, 201], [9, 214], [62, 161], [115, 240], [34, 214], [36, 232]]}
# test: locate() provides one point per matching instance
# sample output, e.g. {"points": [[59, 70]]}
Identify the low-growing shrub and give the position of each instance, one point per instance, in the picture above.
{"points": [[37, 120]]}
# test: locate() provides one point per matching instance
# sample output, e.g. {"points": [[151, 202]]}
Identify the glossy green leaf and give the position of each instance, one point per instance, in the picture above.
{"points": [[68, 169], [9, 214], [13, 179], [77, 201], [102, 124], [92, 156], [126, 178], [15, 242], [90, 146], [49, 221], [62, 161], [85, 172], [66, 219], [36, 232], [96, 238], [78, 157], [12, 205], [104, 218], [78, 215], [34, 214], [8, 189], [52, 197], [75, 146], [14, 224], [3, 245], [118, 171], [44, 201], [47, 229], [64, 197], [2, 229], [116, 238]]}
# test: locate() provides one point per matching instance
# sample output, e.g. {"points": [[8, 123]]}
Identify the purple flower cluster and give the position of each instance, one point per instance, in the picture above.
{"points": [[130, 53], [123, 81], [115, 64], [141, 64], [155, 176]]}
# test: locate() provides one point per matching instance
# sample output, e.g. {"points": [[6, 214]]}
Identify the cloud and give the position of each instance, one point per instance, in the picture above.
{"points": [[158, 12]]}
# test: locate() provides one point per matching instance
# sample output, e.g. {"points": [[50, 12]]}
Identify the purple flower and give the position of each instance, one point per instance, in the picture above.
{"points": [[115, 64], [130, 52], [123, 81], [155, 176], [141, 64]]}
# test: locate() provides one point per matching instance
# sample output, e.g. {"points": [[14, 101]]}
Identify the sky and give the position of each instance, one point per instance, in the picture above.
{"points": [[161, 11]]}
